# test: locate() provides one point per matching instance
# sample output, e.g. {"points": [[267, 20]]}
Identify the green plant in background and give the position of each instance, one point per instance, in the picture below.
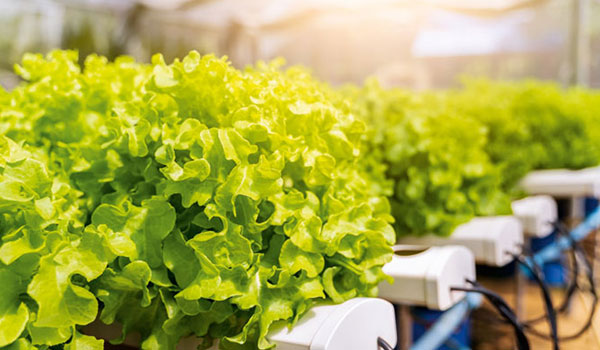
{"points": [[443, 157], [531, 125], [438, 174], [177, 200], [586, 103]]}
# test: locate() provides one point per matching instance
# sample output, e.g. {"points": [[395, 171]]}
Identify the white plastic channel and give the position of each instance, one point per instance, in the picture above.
{"points": [[563, 183], [491, 239]]}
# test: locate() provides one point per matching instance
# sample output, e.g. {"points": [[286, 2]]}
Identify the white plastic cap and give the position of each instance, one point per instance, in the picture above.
{"points": [[425, 278], [536, 214], [353, 325]]}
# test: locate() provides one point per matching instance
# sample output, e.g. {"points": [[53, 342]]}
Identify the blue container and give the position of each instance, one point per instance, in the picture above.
{"points": [[590, 205], [423, 318]]}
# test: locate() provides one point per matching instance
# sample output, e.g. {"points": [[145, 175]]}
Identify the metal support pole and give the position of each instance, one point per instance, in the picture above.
{"points": [[579, 50], [520, 285], [403, 326]]}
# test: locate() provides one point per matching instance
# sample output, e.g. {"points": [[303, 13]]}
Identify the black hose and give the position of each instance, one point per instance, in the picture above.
{"points": [[579, 256], [550, 311], [382, 344], [573, 284], [503, 308]]}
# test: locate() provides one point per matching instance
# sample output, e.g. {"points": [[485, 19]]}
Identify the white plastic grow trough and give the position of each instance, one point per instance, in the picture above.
{"points": [[353, 325], [536, 213], [425, 276], [563, 183], [491, 239]]}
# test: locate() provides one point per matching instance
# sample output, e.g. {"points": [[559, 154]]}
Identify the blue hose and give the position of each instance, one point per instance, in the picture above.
{"points": [[553, 251], [442, 329]]}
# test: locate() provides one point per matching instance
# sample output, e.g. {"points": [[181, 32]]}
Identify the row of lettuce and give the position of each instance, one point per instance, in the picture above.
{"points": [[195, 199], [450, 155]]}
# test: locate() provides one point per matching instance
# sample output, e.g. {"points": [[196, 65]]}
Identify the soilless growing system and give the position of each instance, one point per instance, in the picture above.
{"points": [[196, 200]]}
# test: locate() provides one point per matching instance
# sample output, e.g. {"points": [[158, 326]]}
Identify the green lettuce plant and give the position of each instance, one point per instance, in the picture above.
{"points": [[429, 159], [176, 200], [531, 124]]}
